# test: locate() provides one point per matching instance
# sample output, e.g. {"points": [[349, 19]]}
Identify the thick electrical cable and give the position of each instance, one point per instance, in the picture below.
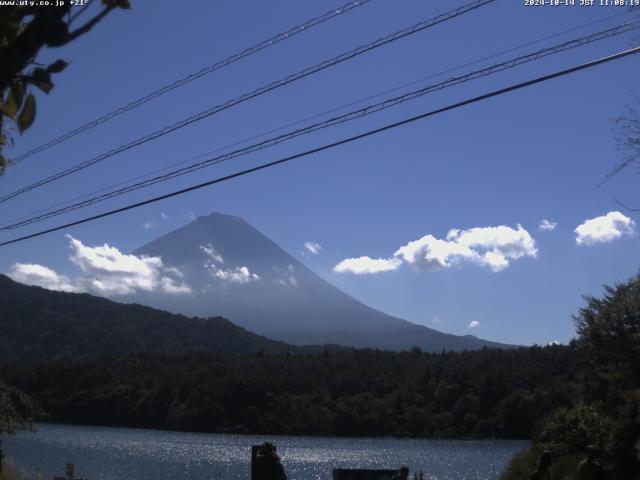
{"points": [[370, 109], [329, 146], [312, 117]]}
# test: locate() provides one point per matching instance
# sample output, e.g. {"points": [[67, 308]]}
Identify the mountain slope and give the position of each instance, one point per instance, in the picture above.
{"points": [[38, 324], [237, 272]]}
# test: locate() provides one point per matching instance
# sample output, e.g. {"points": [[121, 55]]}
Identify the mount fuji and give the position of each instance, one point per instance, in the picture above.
{"points": [[236, 272]]}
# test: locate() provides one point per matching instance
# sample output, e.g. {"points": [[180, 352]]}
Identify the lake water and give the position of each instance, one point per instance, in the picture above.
{"points": [[101, 453]]}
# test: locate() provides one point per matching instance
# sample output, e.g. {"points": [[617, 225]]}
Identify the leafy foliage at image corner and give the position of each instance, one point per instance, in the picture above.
{"points": [[24, 31], [605, 413]]}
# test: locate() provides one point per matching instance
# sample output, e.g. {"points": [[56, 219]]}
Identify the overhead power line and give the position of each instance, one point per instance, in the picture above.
{"points": [[370, 109], [194, 76], [264, 89], [75, 200], [344, 141]]}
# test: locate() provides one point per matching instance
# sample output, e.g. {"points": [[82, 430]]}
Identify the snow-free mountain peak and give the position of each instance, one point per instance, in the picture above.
{"points": [[237, 272]]}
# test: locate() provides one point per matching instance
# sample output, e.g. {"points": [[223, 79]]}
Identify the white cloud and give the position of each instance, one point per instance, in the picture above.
{"points": [[433, 253], [173, 286], [105, 271], [33, 274], [111, 272], [239, 275], [364, 265], [164, 215], [605, 229], [436, 320], [287, 276], [191, 216], [210, 251], [547, 225], [474, 323], [148, 225], [493, 247], [174, 271], [553, 343], [313, 248], [214, 264], [110, 260], [495, 260]]}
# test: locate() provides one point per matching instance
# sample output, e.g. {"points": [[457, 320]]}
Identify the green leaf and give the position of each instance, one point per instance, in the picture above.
{"points": [[17, 92], [41, 78], [57, 66], [7, 110], [10, 108], [14, 101], [44, 85], [28, 114]]}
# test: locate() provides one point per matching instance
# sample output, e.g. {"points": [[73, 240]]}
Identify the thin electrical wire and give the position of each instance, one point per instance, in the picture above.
{"points": [[374, 108], [193, 76], [344, 141], [267, 88], [313, 117]]}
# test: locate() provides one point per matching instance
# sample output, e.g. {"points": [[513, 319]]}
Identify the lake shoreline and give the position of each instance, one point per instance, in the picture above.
{"points": [[276, 435]]}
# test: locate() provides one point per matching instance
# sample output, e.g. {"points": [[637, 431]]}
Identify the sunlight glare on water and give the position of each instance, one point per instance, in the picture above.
{"points": [[102, 453]]}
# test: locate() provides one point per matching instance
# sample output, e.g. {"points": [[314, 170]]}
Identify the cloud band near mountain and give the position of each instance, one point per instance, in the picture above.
{"points": [[491, 247]]}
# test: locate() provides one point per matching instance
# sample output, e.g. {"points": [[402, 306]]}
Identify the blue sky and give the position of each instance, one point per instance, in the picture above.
{"points": [[535, 154]]}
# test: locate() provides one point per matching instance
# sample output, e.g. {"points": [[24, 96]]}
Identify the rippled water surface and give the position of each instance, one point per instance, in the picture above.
{"points": [[101, 453]]}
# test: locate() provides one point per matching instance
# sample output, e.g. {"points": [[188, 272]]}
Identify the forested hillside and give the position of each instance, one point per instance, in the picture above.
{"points": [[39, 324]]}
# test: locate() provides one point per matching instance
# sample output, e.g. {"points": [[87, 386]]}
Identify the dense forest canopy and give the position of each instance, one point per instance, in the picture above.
{"points": [[488, 393]]}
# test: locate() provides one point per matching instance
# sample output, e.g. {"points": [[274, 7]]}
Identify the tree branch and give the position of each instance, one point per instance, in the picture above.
{"points": [[90, 24], [76, 15]]}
